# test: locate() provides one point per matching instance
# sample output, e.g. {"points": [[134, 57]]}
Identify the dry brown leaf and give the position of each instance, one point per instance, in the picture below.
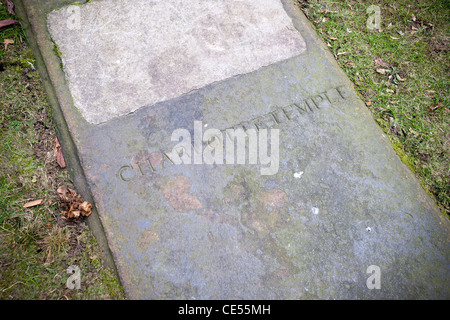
{"points": [[343, 53], [381, 70], [369, 103], [65, 194], [33, 203], [7, 23], [75, 214], [332, 38], [436, 106], [86, 207], [59, 155], [10, 6], [73, 206]]}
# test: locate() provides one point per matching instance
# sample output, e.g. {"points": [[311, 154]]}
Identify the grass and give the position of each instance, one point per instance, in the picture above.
{"points": [[401, 71], [36, 244]]}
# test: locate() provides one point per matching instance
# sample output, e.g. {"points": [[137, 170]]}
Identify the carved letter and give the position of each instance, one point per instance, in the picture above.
{"points": [[301, 107], [291, 112], [120, 173], [343, 92], [279, 116]]}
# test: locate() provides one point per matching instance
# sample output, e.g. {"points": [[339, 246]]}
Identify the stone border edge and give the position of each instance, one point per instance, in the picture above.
{"points": [[62, 131]]}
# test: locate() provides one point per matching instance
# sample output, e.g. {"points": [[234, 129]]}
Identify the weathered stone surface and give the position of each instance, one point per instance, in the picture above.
{"points": [[339, 202], [121, 55]]}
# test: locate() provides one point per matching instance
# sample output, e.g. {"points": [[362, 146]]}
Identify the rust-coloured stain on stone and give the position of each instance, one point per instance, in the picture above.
{"points": [[274, 198], [177, 194], [268, 212], [143, 159]]}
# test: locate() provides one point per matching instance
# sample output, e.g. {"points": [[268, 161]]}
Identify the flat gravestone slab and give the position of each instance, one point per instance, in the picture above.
{"points": [[327, 211], [143, 52]]}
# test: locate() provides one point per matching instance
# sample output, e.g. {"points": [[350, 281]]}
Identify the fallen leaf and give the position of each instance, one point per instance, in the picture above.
{"points": [[6, 42], [400, 78], [381, 70], [412, 131], [10, 6], [59, 155], [65, 194], [7, 23], [434, 107], [381, 62], [75, 214], [342, 53], [33, 203], [86, 207], [369, 103], [73, 206], [57, 144], [394, 38], [60, 159], [332, 38]]}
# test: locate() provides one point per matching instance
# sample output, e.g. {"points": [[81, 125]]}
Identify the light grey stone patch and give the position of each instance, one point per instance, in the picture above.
{"points": [[123, 55]]}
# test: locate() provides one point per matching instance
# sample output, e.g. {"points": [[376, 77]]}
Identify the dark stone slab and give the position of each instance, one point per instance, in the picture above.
{"points": [[339, 210]]}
